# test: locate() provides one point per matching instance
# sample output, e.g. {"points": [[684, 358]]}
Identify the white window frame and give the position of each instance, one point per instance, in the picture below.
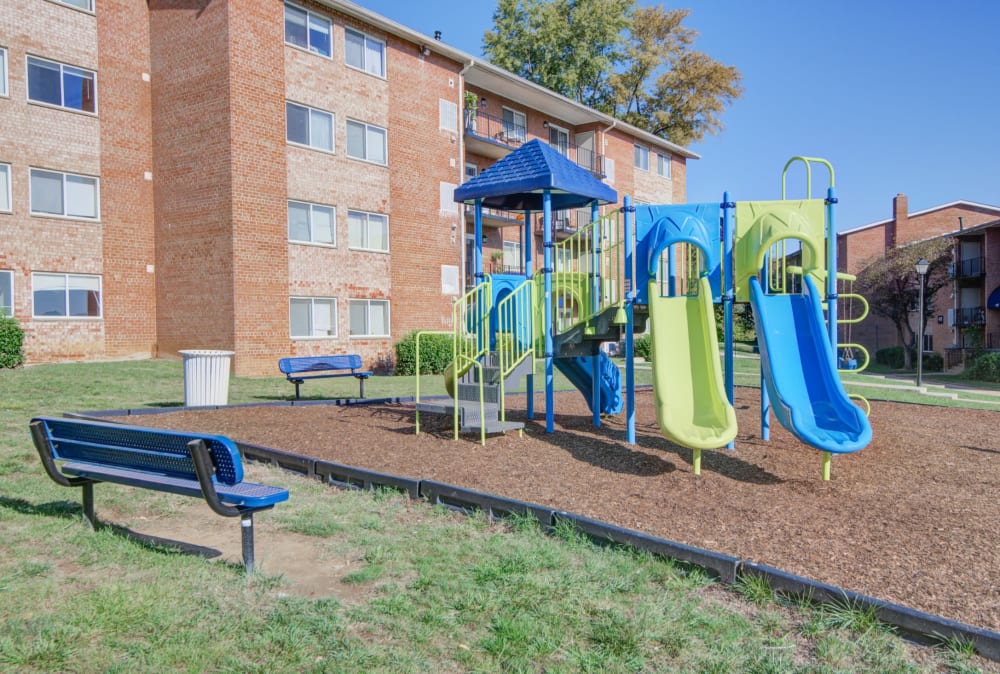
{"points": [[640, 157], [366, 127], [368, 223], [368, 303], [89, 8], [311, 110], [66, 278], [330, 302], [313, 207], [64, 175], [364, 53], [309, 18], [9, 196], [559, 130], [663, 168], [3, 308], [518, 127], [62, 91], [3, 73]]}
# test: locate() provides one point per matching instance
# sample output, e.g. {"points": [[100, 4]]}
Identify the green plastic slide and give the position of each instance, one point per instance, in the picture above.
{"points": [[691, 404]]}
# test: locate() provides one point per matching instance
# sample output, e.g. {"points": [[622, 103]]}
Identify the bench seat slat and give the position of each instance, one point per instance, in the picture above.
{"points": [[244, 494]]}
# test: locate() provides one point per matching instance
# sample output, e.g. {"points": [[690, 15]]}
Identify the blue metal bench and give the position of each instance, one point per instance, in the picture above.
{"points": [[77, 453], [297, 370]]}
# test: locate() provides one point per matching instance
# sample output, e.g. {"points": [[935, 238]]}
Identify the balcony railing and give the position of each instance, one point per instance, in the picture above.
{"points": [[497, 131], [970, 316], [970, 267], [495, 217]]}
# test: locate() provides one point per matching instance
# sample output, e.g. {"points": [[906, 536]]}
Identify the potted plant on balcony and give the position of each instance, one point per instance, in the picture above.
{"points": [[497, 259], [471, 106]]}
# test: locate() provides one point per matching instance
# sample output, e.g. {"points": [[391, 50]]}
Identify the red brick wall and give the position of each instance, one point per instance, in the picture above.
{"points": [[126, 195]]}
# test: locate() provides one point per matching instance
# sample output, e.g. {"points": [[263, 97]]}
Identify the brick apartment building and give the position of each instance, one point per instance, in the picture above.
{"points": [[272, 178], [961, 310]]}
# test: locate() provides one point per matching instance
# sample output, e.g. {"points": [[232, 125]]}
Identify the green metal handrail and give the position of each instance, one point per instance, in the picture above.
{"points": [[515, 334]]}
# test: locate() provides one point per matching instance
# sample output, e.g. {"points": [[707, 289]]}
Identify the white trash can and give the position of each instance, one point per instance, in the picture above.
{"points": [[206, 377]]}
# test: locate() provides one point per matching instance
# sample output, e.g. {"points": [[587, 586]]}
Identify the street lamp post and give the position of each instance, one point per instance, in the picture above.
{"points": [[922, 266]]}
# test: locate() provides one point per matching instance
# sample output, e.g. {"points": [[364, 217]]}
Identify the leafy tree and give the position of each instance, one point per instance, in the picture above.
{"points": [[635, 63], [891, 285]]}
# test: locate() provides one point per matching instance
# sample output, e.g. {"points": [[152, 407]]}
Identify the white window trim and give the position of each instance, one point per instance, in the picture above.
{"points": [[10, 189], [367, 214], [62, 93], [562, 129], [13, 303], [364, 69], [336, 318], [74, 7], [4, 80], [634, 164], [333, 129], [368, 301], [523, 129], [308, 15], [366, 159], [100, 290], [311, 204], [63, 216], [667, 159]]}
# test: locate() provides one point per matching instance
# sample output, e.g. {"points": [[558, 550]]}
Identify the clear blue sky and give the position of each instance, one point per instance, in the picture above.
{"points": [[899, 95]]}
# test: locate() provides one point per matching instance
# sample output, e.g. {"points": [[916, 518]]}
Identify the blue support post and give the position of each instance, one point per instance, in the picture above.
{"points": [[765, 399], [595, 286], [550, 419], [831, 272], [728, 295], [478, 255], [529, 274], [629, 224]]}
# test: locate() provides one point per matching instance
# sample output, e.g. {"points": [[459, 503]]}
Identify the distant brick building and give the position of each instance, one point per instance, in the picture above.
{"points": [[961, 309], [265, 177]]}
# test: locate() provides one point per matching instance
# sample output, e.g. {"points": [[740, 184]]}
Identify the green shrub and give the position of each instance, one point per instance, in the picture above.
{"points": [[890, 357], [984, 368], [11, 342], [933, 362], [643, 347], [435, 354]]}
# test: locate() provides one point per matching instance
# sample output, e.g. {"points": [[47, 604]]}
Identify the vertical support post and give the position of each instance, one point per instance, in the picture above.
{"points": [[478, 254], [831, 272], [88, 504], [728, 296], [246, 528], [671, 272], [629, 225], [529, 274], [827, 459], [696, 461], [765, 398], [595, 303], [920, 322], [550, 419]]}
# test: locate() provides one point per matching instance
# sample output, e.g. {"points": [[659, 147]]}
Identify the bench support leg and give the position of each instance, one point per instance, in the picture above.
{"points": [[297, 390], [246, 527], [361, 379], [88, 504]]}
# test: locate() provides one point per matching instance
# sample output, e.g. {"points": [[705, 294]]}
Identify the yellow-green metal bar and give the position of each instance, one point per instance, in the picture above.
{"points": [[807, 161], [696, 461], [515, 339], [827, 460]]}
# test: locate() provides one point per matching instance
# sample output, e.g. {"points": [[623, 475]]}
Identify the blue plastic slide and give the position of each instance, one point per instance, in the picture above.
{"points": [[797, 362], [580, 373]]}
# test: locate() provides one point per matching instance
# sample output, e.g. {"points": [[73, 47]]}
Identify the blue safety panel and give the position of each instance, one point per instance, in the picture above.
{"points": [[516, 182], [151, 450], [244, 494], [319, 363]]}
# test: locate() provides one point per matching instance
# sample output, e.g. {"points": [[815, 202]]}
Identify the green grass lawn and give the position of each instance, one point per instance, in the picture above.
{"points": [[431, 590]]}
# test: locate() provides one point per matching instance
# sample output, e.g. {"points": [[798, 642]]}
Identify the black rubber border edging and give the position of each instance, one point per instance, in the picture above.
{"points": [[919, 625]]}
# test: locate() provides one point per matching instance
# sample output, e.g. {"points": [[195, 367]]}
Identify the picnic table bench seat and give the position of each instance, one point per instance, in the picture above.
{"points": [[79, 453], [298, 369]]}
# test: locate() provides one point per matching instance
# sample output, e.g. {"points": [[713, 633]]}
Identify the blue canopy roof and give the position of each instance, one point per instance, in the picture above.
{"points": [[516, 182]]}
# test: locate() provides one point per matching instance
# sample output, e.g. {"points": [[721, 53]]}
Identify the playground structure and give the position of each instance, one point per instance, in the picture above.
{"points": [[666, 265]]}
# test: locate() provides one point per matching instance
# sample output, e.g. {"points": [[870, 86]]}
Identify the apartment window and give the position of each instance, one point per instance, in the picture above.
{"points": [[307, 30], [311, 223], [61, 85], [5, 188], [66, 295], [609, 169], [365, 52], [87, 5], [308, 126], [6, 293], [512, 257], [368, 231], [559, 139], [369, 318], [515, 125], [312, 317], [65, 194], [641, 155], [447, 115], [3, 71], [367, 142], [663, 165]]}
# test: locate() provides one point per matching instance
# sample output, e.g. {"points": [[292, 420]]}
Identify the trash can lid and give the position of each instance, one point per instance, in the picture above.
{"points": [[205, 352]]}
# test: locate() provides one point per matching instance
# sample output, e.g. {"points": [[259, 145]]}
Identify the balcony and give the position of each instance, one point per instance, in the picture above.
{"points": [[494, 217], [566, 223], [972, 267], [495, 138], [969, 317]]}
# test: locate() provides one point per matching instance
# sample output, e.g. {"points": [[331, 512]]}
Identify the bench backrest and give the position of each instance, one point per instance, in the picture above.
{"points": [[140, 448], [313, 363]]}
